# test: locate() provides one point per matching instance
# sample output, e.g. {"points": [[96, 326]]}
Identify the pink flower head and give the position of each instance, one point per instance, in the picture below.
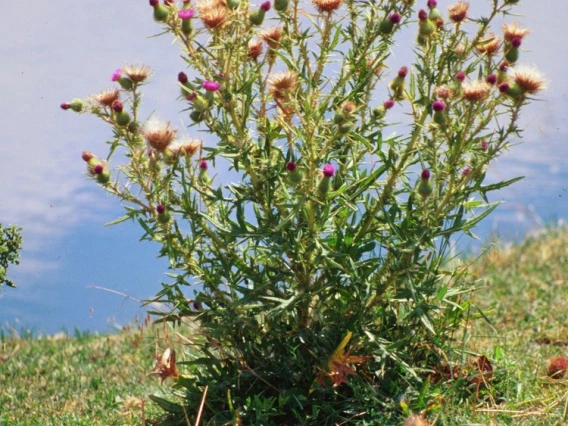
{"points": [[466, 171], [328, 170], [291, 166], [438, 106], [516, 42], [211, 86], [186, 14], [491, 79], [116, 74], [403, 72], [203, 165], [98, 169], [65, 106], [504, 87], [484, 146], [160, 208], [425, 175], [265, 6], [191, 97], [395, 18], [388, 104], [460, 76], [86, 156], [182, 77], [432, 4], [117, 106], [154, 3], [422, 15]]}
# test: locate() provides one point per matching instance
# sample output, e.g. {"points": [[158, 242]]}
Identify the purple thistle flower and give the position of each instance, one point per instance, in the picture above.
{"points": [[65, 106], [516, 42], [432, 3], [403, 72], [116, 74], [422, 15], [438, 106], [191, 97], [328, 170], [388, 104], [291, 166], [425, 175], [186, 14], [395, 18], [484, 145], [203, 165], [491, 79], [160, 208], [154, 3], [182, 77], [466, 171], [460, 76], [98, 169], [504, 87], [265, 6], [212, 86]]}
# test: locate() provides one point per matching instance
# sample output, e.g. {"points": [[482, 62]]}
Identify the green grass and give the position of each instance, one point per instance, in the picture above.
{"points": [[102, 380]]}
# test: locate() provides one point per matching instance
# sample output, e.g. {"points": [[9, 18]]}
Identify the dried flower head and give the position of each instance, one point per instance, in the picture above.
{"points": [[511, 31], [474, 91], [281, 84], [528, 78], [444, 92], [212, 13], [459, 50], [348, 107], [158, 134], [254, 49], [458, 11], [186, 146], [107, 97], [137, 73], [327, 6], [416, 420], [489, 45], [272, 37]]}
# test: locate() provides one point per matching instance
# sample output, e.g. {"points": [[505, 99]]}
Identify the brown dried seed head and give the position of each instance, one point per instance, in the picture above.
{"points": [[254, 49], [212, 13], [272, 37], [282, 84], [511, 31], [528, 78], [444, 92], [489, 45], [416, 420], [327, 6], [158, 134], [474, 91], [137, 73], [458, 11], [107, 97]]}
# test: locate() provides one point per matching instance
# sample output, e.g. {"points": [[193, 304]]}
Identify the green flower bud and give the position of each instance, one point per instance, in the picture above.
{"points": [[134, 127], [103, 177], [379, 112], [122, 118], [125, 83], [257, 17], [386, 26], [425, 187], [281, 5], [160, 13], [197, 116], [233, 4], [163, 214], [512, 55], [77, 105], [200, 104], [338, 117], [295, 175], [346, 127], [186, 26]]}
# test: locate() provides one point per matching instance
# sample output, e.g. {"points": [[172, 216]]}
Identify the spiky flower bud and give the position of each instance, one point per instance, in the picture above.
{"points": [[295, 175], [65, 106], [327, 173], [440, 115], [160, 12], [386, 26], [77, 105], [397, 84], [204, 177], [163, 214], [281, 5], [425, 186], [256, 17], [425, 26]]}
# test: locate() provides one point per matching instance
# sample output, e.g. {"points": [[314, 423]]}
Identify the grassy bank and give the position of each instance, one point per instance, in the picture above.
{"points": [[102, 380]]}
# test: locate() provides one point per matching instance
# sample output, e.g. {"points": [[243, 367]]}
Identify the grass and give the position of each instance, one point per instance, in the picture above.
{"points": [[102, 380]]}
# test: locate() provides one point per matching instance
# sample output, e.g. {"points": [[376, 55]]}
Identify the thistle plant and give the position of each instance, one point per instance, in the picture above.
{"points": [[309, 230], [10, 246]]}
